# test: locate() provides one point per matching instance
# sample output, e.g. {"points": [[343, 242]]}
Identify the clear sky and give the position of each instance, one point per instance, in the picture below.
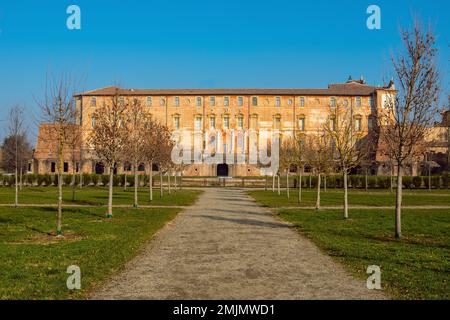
{"points": [[200, 44]]}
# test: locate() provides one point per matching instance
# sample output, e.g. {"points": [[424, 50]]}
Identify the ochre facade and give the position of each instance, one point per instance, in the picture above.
{"points": [[197, 110]]}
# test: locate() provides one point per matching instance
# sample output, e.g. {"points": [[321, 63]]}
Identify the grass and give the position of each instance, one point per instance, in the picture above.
{"points": [[333, 197], [98, 196], [415, 267], [33, 263]]}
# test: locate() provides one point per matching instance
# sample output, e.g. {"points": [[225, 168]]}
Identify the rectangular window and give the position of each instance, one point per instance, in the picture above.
{"points": [[198, 101], [212, 101], [333, 102], [212, 122], [93, 102], [66, 167], [358, 101], [358, 124], [289, 102], [53, 167], [277, 101], [370, 122], [240, 122], [77, 167], [254, 101], [277, 124], [254, 122], [333, 124], [198, 123], [121, 101], [162, 102], [93, 122], [176, 123], [149, 101], [240, 101], [371, 102], [302, 102], [226, 101], [226, 122], [177, 101], [301, 124]]}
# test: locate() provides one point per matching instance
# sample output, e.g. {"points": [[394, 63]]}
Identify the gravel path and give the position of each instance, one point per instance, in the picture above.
{"points": [[228, 247]]}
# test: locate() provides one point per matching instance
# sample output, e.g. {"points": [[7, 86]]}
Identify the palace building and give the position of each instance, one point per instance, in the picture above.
{"points": [[228, 110]]}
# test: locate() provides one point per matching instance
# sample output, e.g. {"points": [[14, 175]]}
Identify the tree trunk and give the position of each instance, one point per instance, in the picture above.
{"points": [[398, 205], [61, 169], [73, 182], [168, 181], [287, 183], [181, 179], [300, 184], [273, 182], [265, 183], [110, 192], [160, 183], [390, 181], [310, 181], [16, 198], [367, 187], [20, 181], [175, 181], [318, 193], [125, 182], [150, 184], [278, 179], [325, 183], [345, 195], [429, 177], [136, 185]]}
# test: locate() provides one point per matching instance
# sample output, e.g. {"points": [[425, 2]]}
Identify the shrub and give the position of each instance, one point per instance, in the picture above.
{"points": [[417, 181], [11, 180], [426, 181], [436, 182], [94, 179], [116, 180], [384, 182], [372, 182], [445, 179], [105, 179], [130, 180], [48, 179], [86, 179], [407, 182], [67, 178]]}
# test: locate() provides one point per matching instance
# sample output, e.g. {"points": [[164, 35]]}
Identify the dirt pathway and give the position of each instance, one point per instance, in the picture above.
{"points": [[227, 247]]}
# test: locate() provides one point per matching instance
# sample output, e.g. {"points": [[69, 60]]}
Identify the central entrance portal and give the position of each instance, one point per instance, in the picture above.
{"points": [[222, 170]]}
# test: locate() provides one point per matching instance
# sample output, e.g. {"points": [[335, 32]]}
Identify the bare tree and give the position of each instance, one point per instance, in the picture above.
{"points": [[409, 112], [110, 136], [14, 146], [59, 111], [319, 155], [346, 142], [135, 149], [287, 158], [299, 156]]}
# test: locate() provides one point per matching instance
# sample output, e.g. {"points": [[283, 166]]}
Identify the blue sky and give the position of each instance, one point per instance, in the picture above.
{"points": [[198, 44]]}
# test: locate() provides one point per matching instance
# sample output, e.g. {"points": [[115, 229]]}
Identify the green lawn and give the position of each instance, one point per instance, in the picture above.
{"points": [[334, 197], [33, 263], [98, 196], [415, 267]]}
